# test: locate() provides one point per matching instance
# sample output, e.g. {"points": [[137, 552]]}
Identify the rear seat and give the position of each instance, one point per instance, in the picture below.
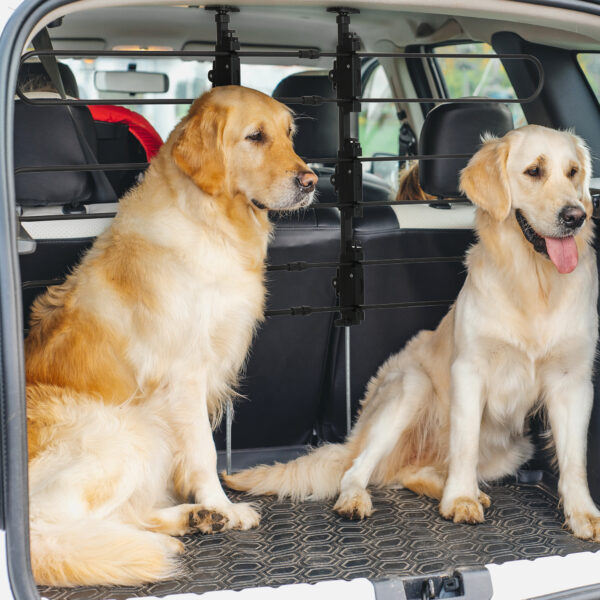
{"points": [[122, 136], [317, 132], [288, 361], [46, 135]]}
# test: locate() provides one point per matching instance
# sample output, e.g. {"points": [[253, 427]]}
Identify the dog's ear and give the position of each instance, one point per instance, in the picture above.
{"points": [[198, 151], [484, 180], [585, 161]]}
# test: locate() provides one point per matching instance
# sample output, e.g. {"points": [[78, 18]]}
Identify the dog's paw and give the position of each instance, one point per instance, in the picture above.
{"points": [[242, 516], [464, 509], [355, 506], [485, 500], [585, 526], [173, 545], [207, 521]]}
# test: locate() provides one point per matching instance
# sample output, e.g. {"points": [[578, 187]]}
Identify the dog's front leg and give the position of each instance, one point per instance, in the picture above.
{"points": [[195, 472], [462, 501], [569, 406]]}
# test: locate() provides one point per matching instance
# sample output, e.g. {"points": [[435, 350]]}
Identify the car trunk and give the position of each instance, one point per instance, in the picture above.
{"points": [[307, 542], [303, 383]]}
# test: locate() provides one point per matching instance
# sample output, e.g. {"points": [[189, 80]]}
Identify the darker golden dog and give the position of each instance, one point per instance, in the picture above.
{"points": [[136, 354]]}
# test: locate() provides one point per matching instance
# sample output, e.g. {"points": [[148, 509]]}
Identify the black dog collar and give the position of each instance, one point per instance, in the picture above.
{"points": [[536, 240], [258, 204]]}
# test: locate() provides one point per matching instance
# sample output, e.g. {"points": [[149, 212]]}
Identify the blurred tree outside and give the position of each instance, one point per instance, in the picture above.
{"points": [[378, 122], [477, 76], [378, 125], [590, 65]]}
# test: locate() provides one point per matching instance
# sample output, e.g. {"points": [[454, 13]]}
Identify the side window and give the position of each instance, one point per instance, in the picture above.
{"points": [[477, 76], [590, 65], [378, 125]]}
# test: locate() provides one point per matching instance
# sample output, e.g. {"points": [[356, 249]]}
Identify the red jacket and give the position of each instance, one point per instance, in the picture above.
{"points": [[139, 126]]}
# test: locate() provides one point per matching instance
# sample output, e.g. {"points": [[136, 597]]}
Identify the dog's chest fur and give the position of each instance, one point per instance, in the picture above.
{"points": [[521, 334], [196, 306]]}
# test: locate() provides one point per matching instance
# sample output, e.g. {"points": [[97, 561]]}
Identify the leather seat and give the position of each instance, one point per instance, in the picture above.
{"points": [[121, 135], [317, 133]]}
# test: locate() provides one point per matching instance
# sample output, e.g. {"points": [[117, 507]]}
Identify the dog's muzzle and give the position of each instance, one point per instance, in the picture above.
{"points": [[561, 250]]}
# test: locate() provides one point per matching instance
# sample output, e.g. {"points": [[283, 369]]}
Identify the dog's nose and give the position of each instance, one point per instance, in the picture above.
{"points": [[307, 181], [571, 217]]}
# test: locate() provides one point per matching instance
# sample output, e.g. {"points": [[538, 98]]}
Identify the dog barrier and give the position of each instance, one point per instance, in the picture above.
{"points": [[347, 179]]}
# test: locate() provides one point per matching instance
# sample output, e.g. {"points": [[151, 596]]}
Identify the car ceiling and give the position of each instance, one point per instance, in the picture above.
{"points": [[306, 24]]}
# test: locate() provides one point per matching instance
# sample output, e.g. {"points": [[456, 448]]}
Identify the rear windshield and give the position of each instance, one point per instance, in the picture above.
{"points": [[187, 79]]}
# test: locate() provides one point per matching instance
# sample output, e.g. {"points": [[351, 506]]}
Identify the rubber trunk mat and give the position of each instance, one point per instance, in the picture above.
{"points": [[308, 542]]}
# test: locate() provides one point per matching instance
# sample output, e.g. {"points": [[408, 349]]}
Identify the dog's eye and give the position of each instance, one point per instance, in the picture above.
{"points": [[257, 136], [533, 172], [572, 172]]}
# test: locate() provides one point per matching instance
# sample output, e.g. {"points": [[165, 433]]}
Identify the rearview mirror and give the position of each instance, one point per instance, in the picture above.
{"points": [[131, 82]]}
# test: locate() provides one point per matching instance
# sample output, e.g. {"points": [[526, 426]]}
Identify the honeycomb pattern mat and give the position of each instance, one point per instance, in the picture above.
{"points": [[308, 542]]}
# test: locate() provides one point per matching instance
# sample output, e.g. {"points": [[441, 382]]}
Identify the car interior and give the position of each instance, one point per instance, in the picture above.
{"points": [[306, 374]]}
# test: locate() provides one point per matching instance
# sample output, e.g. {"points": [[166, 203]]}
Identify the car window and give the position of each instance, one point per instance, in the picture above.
{"points": [[466, 77], [378, 124], [590, 65], [187, 79]]}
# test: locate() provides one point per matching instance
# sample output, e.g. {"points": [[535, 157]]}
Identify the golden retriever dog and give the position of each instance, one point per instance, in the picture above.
{"points": [[409, 189], [449, 411], [136, 354]]}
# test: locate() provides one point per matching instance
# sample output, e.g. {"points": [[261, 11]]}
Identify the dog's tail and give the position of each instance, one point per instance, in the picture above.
{"points": [[316, 475], [92, 552]]}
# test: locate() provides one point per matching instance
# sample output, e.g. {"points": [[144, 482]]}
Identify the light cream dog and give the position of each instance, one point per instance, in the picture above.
{"points": [[450, 410], [130, 360]]}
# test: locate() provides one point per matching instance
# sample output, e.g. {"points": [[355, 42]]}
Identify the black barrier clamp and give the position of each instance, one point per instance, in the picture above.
{"points": [[226, 67]]}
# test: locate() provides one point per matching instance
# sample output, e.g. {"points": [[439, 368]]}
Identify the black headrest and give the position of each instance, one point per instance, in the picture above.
{"points": [[317, 125], [456, 128], [46, 135], [32, 77]]}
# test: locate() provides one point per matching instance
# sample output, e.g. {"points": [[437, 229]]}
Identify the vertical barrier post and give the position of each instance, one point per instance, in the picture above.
{"points": [[226, 69], [228, 423], [348, 381], [347, 181]]}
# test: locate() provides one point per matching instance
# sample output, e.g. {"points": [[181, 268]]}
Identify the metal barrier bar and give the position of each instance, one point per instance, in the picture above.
{"points": [[227, 62], [310, 100], [228, 427], [104, 215], [348, 381], [303, 266], [311, 310], [138, 166]]}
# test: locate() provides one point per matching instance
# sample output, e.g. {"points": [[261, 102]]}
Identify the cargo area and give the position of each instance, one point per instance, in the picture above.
{"points": [[307, 542], [319, 345]]}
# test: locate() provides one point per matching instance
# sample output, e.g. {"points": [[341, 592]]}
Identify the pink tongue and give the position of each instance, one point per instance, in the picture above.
{"points": [[563, 253]]}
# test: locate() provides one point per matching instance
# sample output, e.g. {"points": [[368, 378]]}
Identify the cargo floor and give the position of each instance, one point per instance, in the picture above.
{"points": [[307, 542]]}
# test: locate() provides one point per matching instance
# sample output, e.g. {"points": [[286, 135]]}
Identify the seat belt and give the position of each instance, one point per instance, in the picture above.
{"points": [[105, 191]]}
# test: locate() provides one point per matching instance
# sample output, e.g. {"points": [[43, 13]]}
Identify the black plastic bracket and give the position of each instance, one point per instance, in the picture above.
{"points": [[345, 76], [467, 583], [226, 68]]}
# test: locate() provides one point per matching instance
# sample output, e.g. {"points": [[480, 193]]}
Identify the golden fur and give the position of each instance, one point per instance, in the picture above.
{"points": [[449, 411], [139, 350], [409, 189]]}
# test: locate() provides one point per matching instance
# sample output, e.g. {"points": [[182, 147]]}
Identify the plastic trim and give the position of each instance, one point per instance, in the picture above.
{"points": [[12, 368]]}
